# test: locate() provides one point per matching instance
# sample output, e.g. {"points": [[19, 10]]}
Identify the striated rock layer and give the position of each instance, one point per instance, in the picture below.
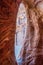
{"points": [[8, 12], [32, 51]]}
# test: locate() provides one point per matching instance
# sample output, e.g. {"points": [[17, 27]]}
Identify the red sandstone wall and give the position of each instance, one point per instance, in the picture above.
{"points": [[8, 12]]}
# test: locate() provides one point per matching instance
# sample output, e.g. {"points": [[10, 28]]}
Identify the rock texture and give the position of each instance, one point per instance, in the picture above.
{"points": [[33, 46], [32, 52], [8, 12]]}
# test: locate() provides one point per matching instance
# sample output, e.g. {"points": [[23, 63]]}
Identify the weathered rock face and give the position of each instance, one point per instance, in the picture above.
{"points": [[8, 11], [32, 52]]}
